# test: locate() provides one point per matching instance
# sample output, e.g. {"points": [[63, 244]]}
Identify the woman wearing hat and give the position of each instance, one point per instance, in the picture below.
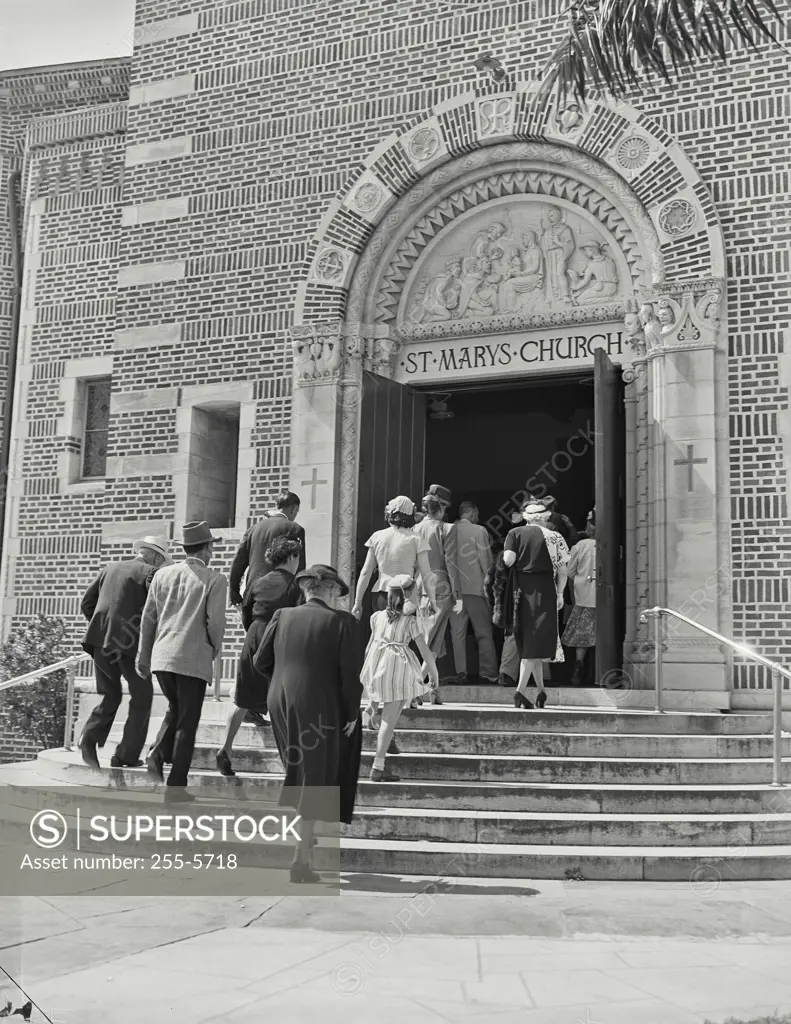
{"points": [[537, 557], [395, 551], [580, 631], [391, 674], [310, 653]]}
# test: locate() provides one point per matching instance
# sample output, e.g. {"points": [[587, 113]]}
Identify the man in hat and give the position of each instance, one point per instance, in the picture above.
{"points": [[251, 555], [113, 605], [475, 560], [180, 636]]}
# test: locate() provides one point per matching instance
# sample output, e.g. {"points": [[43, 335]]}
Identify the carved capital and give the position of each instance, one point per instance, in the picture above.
{"points": [[317, 352]]}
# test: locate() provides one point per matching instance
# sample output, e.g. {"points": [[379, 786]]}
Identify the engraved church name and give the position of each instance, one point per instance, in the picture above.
{"points": [[514, 354]]}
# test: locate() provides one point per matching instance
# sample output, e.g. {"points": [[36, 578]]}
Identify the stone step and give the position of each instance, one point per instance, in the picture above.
{"points": [[541, 768], [535, 741], [67, 770]]}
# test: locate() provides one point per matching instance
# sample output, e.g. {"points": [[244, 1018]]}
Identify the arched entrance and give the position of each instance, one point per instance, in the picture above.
{"points": [[500, 244]]}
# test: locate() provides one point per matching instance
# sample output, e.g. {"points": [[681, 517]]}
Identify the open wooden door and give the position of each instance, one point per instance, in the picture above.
{"points": [[610, 452], [392, 455]]}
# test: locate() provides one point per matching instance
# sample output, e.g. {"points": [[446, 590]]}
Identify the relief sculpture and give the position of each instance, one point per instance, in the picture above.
{"points": [[532, 257]]}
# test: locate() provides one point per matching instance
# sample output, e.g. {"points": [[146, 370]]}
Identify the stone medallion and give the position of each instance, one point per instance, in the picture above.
{"points": [[677, 217], [367, 197], [424, 144], [633, 153]]}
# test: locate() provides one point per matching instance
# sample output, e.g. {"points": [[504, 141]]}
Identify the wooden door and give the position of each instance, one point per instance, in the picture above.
{"points": [[610, 453], [392, 456]]}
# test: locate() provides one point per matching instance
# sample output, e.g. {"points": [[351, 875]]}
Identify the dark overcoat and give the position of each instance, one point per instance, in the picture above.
{"points": [[312, 655], [251, 554], [113, 605]]}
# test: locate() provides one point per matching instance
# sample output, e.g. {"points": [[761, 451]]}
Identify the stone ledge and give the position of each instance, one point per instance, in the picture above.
{"points": [[151, 273], [153, 152], [149, 213], [138, 401], [147, 337], [167, 28], [165, 89]]}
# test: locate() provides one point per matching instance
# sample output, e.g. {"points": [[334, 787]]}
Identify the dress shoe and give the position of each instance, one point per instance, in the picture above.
{"points": [[383, 775], [506, 680], [576, 675], [224, 766], [488, 680], [116, 762], [541, 699], [520, 701], [178, 795], [303, 873], [154, 767], [89, 756], [393, 748], [255, 718]]}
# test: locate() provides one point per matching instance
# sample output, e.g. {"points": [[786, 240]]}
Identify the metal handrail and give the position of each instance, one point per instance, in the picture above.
{"points": [[70, 665], [775, 669]]}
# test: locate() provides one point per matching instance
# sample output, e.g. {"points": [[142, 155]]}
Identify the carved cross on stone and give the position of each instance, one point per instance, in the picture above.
{"points": [[690, 461], [313, 483]]}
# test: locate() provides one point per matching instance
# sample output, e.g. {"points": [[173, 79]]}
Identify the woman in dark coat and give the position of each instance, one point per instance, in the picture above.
{"points": [[277, 589], [537, 557], [312, 655]]}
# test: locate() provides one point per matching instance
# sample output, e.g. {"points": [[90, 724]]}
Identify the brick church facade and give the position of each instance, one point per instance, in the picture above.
{"points": [[222, 234]]}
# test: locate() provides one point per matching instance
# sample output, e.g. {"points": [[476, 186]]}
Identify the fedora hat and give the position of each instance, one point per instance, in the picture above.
{"points": [[440, 493], [193, 534], [158, 544], [323, 574]]}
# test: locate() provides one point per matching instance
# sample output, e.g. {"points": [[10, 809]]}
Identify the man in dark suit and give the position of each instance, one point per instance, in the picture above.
{"points": [[251, 555], [113, 605]]}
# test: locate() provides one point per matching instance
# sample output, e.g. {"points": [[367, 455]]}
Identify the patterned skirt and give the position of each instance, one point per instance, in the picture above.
{"points": [[580, 630]]}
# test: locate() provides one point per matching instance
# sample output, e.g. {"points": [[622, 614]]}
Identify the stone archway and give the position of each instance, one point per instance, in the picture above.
{"points": [[617, 171]]}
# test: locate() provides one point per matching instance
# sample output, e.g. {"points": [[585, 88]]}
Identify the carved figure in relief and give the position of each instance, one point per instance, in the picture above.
{"points": [[568, 118], [652, 328], [303, 358], [330, 355], [440, 296], [666, 316], [710, 305], [599, 279], [384, 351], [557, 241], [484, 249], [483, 300], [525, 274], [635, 337]]}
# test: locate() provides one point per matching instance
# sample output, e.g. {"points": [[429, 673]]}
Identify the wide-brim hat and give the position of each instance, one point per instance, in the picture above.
{"points": [[158, 544], [440, 493], [401, 582], [534, 508], [323, 574], [193, 534]]}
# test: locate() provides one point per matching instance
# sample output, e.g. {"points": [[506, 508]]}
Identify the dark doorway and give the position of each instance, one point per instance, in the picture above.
{"points": [[499, 439]]}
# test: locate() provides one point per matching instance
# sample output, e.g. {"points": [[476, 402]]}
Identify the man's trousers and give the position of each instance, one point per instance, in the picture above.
{"points": [[175, 742], [475, 609], [109, 667]]}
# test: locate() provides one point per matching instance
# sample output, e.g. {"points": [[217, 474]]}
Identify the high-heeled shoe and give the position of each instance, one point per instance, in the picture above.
{"points": [[520, 701], [301, 872], [541, 699]]}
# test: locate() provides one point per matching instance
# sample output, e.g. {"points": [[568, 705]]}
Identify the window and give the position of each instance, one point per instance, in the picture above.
{"points": [[96, 427], [213, 464]]}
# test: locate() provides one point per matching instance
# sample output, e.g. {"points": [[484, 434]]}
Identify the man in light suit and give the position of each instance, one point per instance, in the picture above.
{"points": [[474, 555], [180, 636], [113, 606]]}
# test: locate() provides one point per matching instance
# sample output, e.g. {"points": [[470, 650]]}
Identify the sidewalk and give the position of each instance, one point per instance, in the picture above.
{"points": [[533, 953]]}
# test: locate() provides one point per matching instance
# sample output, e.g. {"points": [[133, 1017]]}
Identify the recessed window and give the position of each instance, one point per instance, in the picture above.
{"points": [[96, 427], [213, 464]]}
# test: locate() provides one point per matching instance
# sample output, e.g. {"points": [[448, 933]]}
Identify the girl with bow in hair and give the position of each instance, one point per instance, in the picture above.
{"points": [[391, 674]]}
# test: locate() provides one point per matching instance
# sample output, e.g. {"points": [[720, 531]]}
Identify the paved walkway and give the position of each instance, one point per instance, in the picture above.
{"points": [[533, 953]]}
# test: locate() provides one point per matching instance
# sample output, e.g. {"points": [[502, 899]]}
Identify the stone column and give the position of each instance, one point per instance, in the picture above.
{"points": [[685, 498]]}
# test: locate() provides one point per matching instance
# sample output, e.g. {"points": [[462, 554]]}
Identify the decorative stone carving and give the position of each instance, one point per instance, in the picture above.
{"points": [[633, 152], [518, 260], [652, 328], [635, 337], [367, 197], [709, 309], [468, 327], [384, 353], [677, 217], [317, 351], [568, 119], [424, 145], [689, 332], [330, 264], [496, 116], [666, 315]]}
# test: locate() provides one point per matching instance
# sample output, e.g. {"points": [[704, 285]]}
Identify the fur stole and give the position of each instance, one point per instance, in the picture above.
{"points": [[503, 596]]}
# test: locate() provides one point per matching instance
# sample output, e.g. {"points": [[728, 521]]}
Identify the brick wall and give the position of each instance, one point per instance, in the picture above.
{"points": [[244, 121]]}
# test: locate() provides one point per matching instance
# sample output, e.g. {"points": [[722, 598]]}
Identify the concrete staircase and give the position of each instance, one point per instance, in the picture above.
{"points": [[488, 790]]}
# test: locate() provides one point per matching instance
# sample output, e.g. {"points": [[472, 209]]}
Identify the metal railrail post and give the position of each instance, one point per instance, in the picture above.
{"points": [[777, 729], [68, 731], [658, 662], [218, 675]]}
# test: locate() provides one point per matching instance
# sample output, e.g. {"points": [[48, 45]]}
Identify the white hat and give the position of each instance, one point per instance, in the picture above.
{"points": [[401, 582], [401, 504], [535, 508], [158, 544]]}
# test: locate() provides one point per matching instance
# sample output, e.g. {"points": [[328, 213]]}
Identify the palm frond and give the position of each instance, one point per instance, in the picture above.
{"points": [[611, 45]]}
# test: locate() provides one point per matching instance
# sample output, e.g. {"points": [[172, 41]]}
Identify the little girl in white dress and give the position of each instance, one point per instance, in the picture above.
{"points": [[392, 674]]}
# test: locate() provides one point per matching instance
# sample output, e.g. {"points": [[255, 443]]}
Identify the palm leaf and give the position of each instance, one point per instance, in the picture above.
{"points": [[611, 45]]}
